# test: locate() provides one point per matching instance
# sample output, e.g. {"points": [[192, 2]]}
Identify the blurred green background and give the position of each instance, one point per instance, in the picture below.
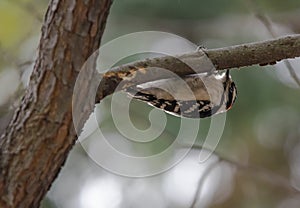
{"points": [[262, 130]]}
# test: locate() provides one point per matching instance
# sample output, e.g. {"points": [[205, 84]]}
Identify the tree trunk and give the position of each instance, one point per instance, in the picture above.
{"points": [[37, 141]]}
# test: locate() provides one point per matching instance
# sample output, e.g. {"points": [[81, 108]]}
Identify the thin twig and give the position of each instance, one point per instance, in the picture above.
{"points": [[264, 174], [292, 71], [201, 182], [266, 21]]}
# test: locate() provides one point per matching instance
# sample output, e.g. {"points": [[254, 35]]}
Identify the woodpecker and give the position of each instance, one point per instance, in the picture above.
{"points": [[192, 96]]}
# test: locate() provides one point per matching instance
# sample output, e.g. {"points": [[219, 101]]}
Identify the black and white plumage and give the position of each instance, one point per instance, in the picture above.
{"points": [[193, 96]]}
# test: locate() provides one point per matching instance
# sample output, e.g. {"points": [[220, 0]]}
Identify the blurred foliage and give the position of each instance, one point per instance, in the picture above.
{"points": [[194, 9], [261, 129], [17, 19]]}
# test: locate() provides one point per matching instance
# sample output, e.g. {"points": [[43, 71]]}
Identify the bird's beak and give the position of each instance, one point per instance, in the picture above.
{"points": [[227, 74]]}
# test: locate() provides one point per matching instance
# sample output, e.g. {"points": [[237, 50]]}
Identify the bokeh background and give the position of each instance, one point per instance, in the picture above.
{"points": [[256, 163]]}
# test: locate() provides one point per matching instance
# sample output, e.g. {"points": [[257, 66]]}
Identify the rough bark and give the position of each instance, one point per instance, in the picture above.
{"points": [[40, 135]]}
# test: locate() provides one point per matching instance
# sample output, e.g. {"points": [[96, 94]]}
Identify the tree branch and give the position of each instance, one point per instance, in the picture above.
{"points": [[266, 21], [266, 52], [40, 135], [263, 53]]}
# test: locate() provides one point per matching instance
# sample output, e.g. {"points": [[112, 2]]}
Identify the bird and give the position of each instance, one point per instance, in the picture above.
{"points": [[192, 96]]}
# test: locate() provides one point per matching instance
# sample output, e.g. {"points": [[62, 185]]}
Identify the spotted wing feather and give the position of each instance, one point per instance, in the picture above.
{"points": [[183, 108]]}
